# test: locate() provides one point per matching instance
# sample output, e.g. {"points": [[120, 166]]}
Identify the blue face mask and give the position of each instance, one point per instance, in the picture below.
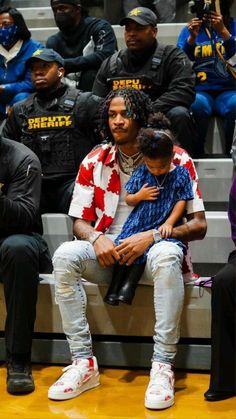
{"points": [[7, 35]]}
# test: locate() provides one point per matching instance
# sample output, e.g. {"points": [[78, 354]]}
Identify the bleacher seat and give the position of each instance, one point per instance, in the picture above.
{"points": [[215, 176]]}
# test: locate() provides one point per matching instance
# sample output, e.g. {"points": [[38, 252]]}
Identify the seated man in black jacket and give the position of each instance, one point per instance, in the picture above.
{"points": [[58, 123], [23, 254], [83, 41], [163, 72]]}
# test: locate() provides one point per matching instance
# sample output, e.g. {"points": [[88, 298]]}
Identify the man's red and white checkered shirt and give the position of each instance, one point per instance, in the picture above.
{"points": [[97, 188]]}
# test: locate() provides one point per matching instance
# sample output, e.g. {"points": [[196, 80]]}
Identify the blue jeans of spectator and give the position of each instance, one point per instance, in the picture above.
{"points": [[75, 260], [208, 104], [22, 257]]}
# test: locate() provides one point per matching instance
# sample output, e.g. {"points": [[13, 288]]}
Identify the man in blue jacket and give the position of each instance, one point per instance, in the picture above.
{"points": [[83, 41]]}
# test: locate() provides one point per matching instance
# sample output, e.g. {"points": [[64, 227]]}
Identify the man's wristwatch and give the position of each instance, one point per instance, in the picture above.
{"points": [[156, 235], [94, 236]]}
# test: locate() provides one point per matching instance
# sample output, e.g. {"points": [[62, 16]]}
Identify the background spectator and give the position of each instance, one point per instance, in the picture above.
{"points": [[16, 46], [23, 254], [83, 41], [201, 39], [164, 72], [223, 326]]}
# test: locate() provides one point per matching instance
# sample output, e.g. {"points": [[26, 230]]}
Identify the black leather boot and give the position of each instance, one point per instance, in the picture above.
{"points": [[127, 290], [118, 277]]}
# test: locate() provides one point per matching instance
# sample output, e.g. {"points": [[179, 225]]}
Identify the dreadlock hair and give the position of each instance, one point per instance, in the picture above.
{"points": [[157, 140], [22, 30], [138, 106]]}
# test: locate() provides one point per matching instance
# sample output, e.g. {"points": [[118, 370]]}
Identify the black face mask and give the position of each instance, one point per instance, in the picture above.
{"points": [[65, 22]]}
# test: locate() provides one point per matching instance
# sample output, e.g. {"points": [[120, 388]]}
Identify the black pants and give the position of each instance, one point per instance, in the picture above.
{"points": [[223, 356], [22, 257], [56, 195], [184, 128]]}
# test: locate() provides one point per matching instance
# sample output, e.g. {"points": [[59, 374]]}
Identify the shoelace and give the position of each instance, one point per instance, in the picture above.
{"points": [[162, 379], [73, 372]]}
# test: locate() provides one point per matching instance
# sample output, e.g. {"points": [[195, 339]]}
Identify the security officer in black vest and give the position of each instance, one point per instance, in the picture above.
{"points": [[162, 71], [58, 123]]}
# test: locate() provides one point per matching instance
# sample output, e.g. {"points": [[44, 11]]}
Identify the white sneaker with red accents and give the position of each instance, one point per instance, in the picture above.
{"points": [[160, 391], [82, 375]]}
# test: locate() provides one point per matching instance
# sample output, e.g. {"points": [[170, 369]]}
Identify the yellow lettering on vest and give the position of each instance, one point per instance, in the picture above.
{"points": [[68, 120], [50, 124], [136, 84], [206, 51], [51, 119], [37, 124], [115, 84]]}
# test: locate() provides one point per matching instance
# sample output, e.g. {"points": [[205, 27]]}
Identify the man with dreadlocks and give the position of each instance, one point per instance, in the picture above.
{"points": [[99, 211]]}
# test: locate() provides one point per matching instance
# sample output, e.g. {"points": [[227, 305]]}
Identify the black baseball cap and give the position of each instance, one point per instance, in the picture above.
{"points": [[46, 54], [141, 15]]}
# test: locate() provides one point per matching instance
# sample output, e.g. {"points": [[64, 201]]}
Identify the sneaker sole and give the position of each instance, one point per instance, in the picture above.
{"points": [[66, 396], [17, 389], [158, 405]]}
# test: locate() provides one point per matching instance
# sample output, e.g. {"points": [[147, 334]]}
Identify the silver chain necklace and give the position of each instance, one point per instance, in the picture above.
{"points": [[160, 185], [129, 163]]}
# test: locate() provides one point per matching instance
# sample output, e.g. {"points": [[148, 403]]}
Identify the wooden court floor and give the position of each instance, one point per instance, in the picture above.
{"points": [[120, 396]]}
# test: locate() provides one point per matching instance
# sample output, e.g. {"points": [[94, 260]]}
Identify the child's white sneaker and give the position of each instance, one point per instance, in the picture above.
{"points": [[82, 375], [160, 391]]}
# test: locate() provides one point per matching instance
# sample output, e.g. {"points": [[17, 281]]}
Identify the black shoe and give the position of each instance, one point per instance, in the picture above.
{"points": [[127, 290], [118, 277], [19, 378], [111, 299], [214, 396]]}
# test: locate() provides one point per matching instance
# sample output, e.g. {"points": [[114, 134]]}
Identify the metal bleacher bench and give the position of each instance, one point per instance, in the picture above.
{"points": [[123, 334]]}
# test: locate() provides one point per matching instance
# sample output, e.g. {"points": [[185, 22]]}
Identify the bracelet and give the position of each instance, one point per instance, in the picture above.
{"points": [[94, 236]]}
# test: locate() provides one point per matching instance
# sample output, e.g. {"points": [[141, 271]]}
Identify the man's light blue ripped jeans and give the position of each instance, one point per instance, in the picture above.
{"points": [[75, 260]]}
